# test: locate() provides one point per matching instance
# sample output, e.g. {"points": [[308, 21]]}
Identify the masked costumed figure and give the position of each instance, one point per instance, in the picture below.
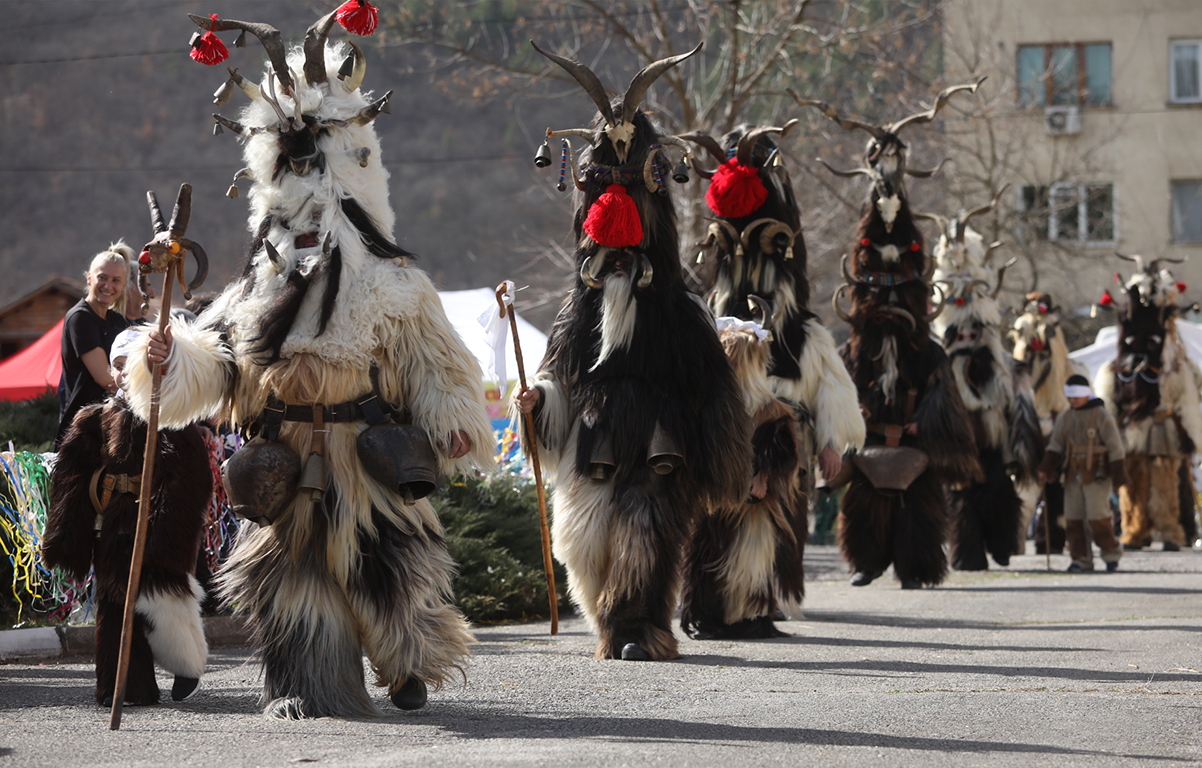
{"points": [[756, 248], [919, 433], [1040, 348], [1151, 388], [91, 524], [332, 350], [731, 558], [985, 516], [635, 403]]}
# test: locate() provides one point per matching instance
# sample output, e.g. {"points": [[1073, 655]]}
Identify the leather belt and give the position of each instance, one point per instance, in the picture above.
{"points": [[338, 413]]}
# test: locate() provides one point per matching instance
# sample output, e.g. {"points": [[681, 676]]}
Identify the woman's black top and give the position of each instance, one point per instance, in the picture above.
{"points": [[83, 331]]}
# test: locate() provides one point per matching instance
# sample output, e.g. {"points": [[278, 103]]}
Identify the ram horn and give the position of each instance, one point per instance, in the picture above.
{"points": [[649, 171], [202, 265], [643, 80], [702, 172], [845, 174], [847, 275], [771, 228], [835, 303], [358, 70], [942, 301], [589, 81], [928, 173], [984, 286], [646, 271], [315, 49], [903, 314], [267, 34], [708, 143], [846, 124], [940, 101], [766, 316], [748, 140], [591, 269], [1001, 275]]}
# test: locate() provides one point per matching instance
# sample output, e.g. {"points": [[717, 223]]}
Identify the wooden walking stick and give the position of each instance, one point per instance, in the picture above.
{"points": [[538, 472], [165, 253]]}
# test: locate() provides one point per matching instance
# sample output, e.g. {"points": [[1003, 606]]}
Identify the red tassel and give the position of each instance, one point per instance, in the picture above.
{"points": [[358, 17], [915, 247], [613, 221], [209, 49], [959, 301], [865, 242], [1036, 343], [736, 190], [1106, 299], [1180, 286]]}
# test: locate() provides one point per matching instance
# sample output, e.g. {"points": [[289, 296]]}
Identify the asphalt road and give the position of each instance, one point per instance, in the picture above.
{"points": [[1014, 667]]}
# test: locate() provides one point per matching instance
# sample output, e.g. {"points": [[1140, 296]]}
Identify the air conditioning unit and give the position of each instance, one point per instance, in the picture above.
{"points": [[1062, 120]]}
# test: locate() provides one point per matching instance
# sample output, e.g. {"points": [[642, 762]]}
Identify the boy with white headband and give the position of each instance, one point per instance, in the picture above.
{"points": [[1087, 447]]}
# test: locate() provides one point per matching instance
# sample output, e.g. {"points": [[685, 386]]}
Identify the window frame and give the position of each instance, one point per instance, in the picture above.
{"points": [[1081, 190], [1173, 43], [1047, 80], [1173, 210]]}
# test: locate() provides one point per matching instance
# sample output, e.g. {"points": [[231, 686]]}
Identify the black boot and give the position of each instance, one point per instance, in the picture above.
{"points": [[411, 695], [634, 652]]}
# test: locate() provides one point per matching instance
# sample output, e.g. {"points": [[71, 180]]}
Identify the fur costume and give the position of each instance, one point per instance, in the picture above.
{"points": [[1040, 348], [762, 252], [327, 312], [984, 516], [907, 391], [1152, 390], [167, 627], [738, 552], [639, 411]]}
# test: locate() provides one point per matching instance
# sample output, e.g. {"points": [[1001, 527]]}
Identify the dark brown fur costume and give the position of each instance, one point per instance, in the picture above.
{"points": [[109, 434], [621, 539]]}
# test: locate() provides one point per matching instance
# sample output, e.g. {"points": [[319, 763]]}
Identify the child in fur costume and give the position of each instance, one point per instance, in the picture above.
{"points": [[1087, 448], [731, 559], [93, 515]]}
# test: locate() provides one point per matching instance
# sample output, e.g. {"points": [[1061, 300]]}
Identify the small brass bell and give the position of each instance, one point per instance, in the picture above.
{"points": [[313, 477], [196, 38], [223, 94], [680, 174], [700, 257], [362, 154], [561, 187], [217, 129], [663, 456], [241, 41], [232, 191], [542, 158], [386, 108], [602, 464]]}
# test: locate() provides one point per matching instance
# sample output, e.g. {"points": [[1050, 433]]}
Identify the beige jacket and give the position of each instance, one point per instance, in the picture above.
{"points": [[1071, 441]]}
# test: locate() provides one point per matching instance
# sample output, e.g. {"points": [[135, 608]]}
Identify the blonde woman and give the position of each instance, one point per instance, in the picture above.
{"points": [[89, 330]]}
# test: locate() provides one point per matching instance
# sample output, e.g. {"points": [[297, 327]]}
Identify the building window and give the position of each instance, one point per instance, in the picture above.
{"points": [[1068, 213], [1075, 73], [1187, 211], [1185, 71]]}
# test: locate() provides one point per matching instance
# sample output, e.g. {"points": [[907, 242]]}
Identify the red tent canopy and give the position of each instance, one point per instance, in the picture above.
{"points": [[34, 369]]}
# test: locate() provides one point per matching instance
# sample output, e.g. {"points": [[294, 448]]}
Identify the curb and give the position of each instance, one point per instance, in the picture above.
{"points": [[41, 643]]}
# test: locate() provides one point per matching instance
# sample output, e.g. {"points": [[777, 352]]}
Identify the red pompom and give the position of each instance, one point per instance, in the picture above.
{"points": [[358, 17], [1043, 308], [1180, 286], [1036, 343], [865, 242], [736, 190], [915, 247], [613, 221], [1106, 299], [959, 301], [144, 257], [208, 48]]}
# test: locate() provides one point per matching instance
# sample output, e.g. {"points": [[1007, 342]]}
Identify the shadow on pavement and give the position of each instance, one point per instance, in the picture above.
{"points": [[913, 622]]}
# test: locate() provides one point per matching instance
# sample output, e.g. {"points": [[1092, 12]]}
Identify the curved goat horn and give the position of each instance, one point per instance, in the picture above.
{"points": [[708, 143], [942, 301], [904, 315], [360, 68], [926, 174], [1139, 260], [847, 276], [267, 34], [748, 140], [156, 213], [702, 172], [182, 212], [1152, 264], [646, 76], [943, 224], [315, 49], [835, 303], [940, 102], [588, 81], [754, 302], [845, 174], [964, 217], [771, 228], [1001, 275], [846, 124], [250, 89], [202, 263]]}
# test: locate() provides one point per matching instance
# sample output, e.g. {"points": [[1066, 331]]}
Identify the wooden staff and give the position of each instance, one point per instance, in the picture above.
{"points": [[538, 472], [135, 565], [165, 253]]}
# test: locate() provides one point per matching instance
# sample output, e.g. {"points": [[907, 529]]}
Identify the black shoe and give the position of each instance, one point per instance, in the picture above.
{"points": [[184, 688], [1171, 547], [1132, 547], [1003, 560], [1112, 567], [863, 578], [107, 703], [779, 615], [634, 652], [911, 584], [411, 695]]}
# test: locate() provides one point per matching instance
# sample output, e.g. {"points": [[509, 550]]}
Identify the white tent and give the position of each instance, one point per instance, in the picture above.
{"points": [[464, 308], [1105, 346]]}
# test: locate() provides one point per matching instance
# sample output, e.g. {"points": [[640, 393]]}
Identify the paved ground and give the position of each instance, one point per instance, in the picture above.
{"points": [[1014, 667]]}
